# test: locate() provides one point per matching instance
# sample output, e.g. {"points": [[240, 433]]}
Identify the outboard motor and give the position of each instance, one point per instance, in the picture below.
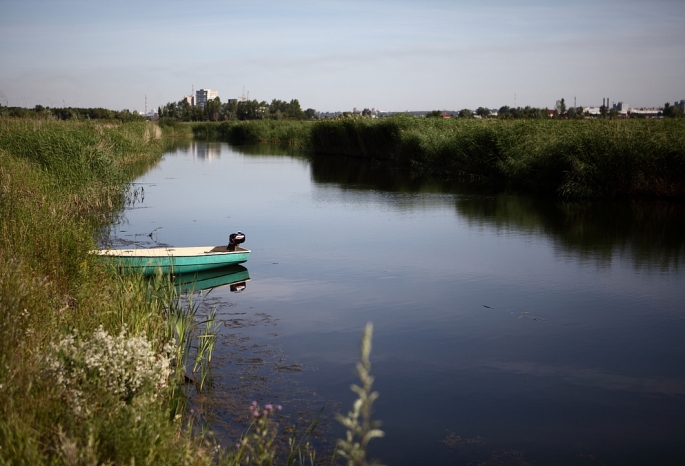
{"points": [[238, 287], [235, 239]]}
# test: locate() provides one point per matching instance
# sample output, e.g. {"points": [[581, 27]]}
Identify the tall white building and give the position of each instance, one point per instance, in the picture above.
{"points": [[202, 96]]}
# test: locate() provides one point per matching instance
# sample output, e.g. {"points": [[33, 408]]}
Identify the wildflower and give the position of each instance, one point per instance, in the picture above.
{"points": [[125, 366]]}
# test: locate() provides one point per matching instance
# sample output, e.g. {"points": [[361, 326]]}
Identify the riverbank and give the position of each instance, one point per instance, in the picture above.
{"points": [[554, 158], [98, 367], [85, 357]]}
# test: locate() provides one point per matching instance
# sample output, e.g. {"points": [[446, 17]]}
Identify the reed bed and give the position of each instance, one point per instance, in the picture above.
{"points": [[287, 132], [570, 159]]}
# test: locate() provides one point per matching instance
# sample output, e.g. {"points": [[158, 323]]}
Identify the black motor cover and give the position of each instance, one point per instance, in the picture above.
{"points": [[235, 239]]}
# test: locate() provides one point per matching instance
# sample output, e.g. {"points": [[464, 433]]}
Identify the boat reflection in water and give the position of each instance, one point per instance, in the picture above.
{"points": [[235, 276]]}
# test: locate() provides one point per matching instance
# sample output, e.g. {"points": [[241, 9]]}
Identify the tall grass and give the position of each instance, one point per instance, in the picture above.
{"points": [[70, 328], [569, 159], [292, 133], [573, 159], [97, 367]]}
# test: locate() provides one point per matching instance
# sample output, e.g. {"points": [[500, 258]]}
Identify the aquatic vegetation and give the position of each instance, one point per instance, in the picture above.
{"points": [[572, 159], [361, 429], [292, 133], [561, 158]]}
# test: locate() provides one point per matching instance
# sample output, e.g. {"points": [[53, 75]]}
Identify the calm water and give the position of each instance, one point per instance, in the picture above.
{"points": [[502, 324]]}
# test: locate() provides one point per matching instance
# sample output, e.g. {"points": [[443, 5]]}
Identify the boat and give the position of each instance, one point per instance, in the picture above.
{"points": [[174, 260], [235, 276]]}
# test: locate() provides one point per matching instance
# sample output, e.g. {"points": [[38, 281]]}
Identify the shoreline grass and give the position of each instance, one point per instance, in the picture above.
{"points": [[553, 158], [94, 365], [75, 338]]}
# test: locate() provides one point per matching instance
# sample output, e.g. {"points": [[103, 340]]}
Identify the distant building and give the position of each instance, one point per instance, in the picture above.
{"points": [[622, 107], [202, 96], [190, 99], [680, 105], [645, 111]]}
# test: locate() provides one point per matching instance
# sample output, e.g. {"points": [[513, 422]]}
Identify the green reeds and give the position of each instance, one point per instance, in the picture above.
{"points": [[291, 133], [59, 182], [572, 159], [361, 429]]}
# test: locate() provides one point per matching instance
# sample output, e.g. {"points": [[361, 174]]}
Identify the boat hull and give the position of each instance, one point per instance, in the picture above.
{"points": [[173, 260], [232, 275]]}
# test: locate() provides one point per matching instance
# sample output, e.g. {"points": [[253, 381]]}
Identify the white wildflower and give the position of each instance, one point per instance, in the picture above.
{"points": [[124, 366]]}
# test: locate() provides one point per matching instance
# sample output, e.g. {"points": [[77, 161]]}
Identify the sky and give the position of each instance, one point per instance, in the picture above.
{"points": [[392, 55]]}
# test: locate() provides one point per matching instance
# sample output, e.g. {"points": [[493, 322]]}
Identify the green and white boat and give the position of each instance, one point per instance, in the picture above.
{"points": [[174, 260]]}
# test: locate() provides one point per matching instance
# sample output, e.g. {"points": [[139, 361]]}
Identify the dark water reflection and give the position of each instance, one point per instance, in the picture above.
{"points": [[651, 232], [504, 324]]}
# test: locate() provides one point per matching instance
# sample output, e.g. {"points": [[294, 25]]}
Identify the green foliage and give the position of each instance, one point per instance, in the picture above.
{"points": [[361, 429], [672, 111], [70, 113], [575, 158], [242, 110], [483, 112], [292, 133], [507, 113], [73, 334]]}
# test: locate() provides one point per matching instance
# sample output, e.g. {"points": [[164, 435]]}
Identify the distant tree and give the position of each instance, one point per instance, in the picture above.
{"points": [[434, 114], [366, 112], [561, 107], [672, 111], [504, 112], [294, 111], [603, 110], [310, 113], [465, 113], [483, 112], [212, 109], [613, 113]]}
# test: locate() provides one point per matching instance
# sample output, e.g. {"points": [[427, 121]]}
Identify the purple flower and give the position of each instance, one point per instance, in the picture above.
{"points": [[279, 407], [269, 407], [255, 413]]}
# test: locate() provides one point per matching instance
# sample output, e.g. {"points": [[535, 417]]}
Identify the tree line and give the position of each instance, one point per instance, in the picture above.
{"points": [[70, 113], [234, 109], [560, 112]]}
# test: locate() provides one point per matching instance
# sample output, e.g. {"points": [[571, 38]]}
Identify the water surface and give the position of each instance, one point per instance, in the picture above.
{"points": [[506, 328]]}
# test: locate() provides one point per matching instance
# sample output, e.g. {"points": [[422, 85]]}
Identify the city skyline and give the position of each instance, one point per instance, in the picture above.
{"points": [[392, 55]]}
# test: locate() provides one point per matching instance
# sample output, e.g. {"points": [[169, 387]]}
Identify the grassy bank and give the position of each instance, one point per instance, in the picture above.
{"points": [[582, 158], [94, 366], [85, 362], [571, 159]]}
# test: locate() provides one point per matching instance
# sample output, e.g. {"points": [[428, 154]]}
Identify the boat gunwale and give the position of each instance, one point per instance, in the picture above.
{"points": [[193, 251]]}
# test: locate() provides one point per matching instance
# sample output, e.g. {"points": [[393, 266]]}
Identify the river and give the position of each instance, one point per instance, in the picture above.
{"points": [[507, 329]]}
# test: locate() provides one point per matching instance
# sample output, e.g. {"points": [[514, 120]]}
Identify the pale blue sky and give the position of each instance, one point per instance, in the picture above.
{"points": [[335, 55]]}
